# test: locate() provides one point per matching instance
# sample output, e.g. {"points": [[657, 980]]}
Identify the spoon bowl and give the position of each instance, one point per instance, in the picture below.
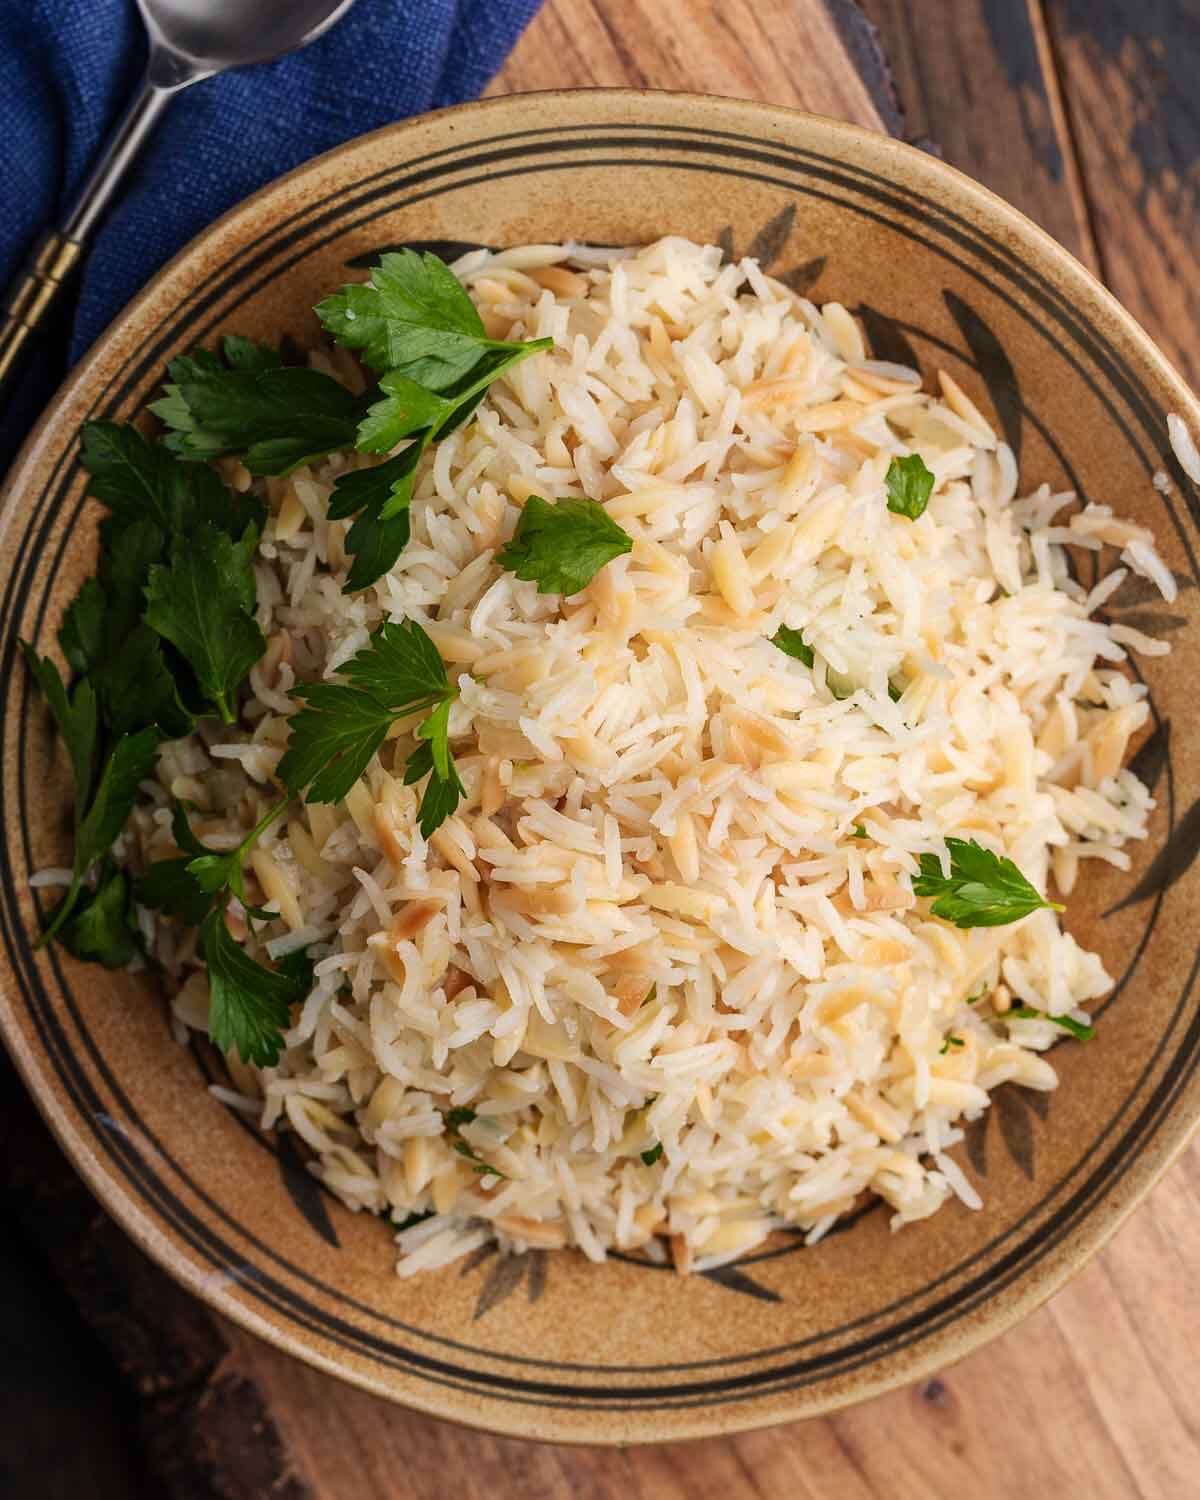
{"points": [[209, 36], [189, 40]]}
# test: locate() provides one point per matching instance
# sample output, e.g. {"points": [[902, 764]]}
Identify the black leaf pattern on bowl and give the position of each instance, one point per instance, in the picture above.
{"points": [[505, 1275], [443, 249], [993, 365], [1016, 1126], [767, 245], [1170, 864], [734, 1280], [885, 338], [1014, 1108], [1151, 759], [1153, 621], [800, 279], [1038, 1101], [303, 1188], [975, 1142], [1139, 590]]}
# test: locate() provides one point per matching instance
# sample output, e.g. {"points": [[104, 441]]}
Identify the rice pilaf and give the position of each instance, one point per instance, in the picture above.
{"points": [[661, 980]]}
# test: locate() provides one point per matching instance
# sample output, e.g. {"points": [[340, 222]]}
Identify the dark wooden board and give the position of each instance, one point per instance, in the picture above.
{"points": [[1131, 77], [1087, 116], [975, 80]]}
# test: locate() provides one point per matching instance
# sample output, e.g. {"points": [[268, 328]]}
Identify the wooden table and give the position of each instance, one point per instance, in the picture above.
{"points": [[1085, 114]]}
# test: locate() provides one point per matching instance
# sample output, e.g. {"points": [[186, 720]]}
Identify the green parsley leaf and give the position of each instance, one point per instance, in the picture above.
{"points": [[405, 410], [101, 931], [860, 832], [342, 726], [130, 762], [81, 634], [169, 886], [201, 603], [414, 321], [136, 687], [461, 1115], [190, 885], [415, 324], [792, 643], [562, 547], [129, 550], [332, 740], [651, 1156], [181, 832], [444, 788], [74, 717], [950, 1041], [439, 799], [277, 417], [409, 298], [249, 1005], [435, 730], [409, 407], [401, 667], [380, 498], [300, 967], [214, 871], [140, 480], [982, 890], [1077, 1029], [244, 354], [909, 486], [978, 995]]}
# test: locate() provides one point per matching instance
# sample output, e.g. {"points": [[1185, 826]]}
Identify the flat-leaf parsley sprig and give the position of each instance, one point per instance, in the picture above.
{"points": [[164, 633], [414, 324], [562, 547], [1078, 1029], [982, 889], [909, 483], [249, 1004], [342, 725]]}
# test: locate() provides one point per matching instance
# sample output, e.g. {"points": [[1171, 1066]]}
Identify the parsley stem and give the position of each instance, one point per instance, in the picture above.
{"points": [[65, 907], [262, 825]]}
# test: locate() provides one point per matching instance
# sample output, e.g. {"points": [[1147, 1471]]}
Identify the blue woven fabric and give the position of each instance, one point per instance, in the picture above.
{"points": [[68, 66]]}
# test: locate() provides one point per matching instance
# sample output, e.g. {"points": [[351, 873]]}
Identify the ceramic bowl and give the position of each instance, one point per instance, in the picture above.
{"points": [[551, 1346]]}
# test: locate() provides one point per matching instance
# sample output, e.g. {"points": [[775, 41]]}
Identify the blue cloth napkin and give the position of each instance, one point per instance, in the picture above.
{"points": [[67, 67]]}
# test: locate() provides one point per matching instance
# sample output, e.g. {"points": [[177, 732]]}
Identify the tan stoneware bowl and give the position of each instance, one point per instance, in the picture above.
{"points": [[549, 1345]]}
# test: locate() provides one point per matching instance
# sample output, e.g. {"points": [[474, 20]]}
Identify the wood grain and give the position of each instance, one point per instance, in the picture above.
{"points": [[976, 80], [1097, 1393], [782, 51], [1130, 74]]}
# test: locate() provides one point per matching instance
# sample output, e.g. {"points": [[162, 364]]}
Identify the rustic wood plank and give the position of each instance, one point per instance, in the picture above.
{"points": [[754, 49], [1095, 1394], [1129, 74], [1089, 1396], [976, 79]]}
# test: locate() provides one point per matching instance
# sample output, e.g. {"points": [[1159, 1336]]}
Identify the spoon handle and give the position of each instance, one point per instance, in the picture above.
{"points": [[58, 252]]}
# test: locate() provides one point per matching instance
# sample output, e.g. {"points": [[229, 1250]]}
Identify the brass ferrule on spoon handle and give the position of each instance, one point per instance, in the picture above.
{"points": [[59, 250], [33, 294]]}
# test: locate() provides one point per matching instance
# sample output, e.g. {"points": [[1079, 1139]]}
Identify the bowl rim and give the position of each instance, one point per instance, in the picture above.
{"points": [[1084, 1239]]}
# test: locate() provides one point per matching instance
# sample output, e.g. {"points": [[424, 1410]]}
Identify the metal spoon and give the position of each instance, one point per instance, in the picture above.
{"points": [[189, 40]]}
